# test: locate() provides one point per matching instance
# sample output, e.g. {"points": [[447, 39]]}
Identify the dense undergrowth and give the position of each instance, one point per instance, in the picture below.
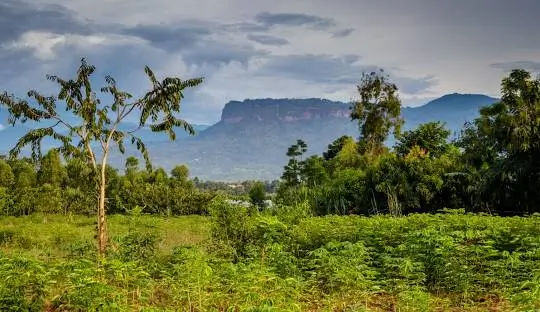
{"points": [[282, 260]]}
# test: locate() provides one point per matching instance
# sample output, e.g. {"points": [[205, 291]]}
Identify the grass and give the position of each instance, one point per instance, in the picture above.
{"points": [[242, 262], [46, 236]]}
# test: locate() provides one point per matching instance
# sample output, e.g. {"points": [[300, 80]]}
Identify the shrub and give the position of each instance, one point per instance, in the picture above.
{"points": [[230, 225], [23, 284], [137, 246]]}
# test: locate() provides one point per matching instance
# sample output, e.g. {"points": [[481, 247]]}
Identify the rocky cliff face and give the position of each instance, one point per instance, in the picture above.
{"points": [[283, 110]]}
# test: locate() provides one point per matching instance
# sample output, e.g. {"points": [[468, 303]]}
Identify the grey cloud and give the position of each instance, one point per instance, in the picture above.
{"points": [[294, 19], [327, 69], [14, 61], [479, 24], [18, 17], [509, 66], [245, 27], [414, 85], [342, 33], [198, 42], [316, 68], [456, 13], [268, 40], [214, 52], [170, 37]]}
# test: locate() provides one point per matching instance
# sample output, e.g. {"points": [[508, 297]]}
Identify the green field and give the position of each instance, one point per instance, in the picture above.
{"points": [[239, 262], [52, 237]]}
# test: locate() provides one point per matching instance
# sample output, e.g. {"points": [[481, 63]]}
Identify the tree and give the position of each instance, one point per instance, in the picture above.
{"points": [[25, 174], [6, 175], [348, 156], [180, 173], [431, 137], [313, 172], [292, 172], [94, 127], [180, 177], [504, 144], [335, 147], [51, 170], [257, 193], [158, 176], [132, 164], [377, 111]]}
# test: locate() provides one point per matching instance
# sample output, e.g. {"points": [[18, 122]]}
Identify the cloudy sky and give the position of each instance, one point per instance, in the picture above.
{"points": [[278, 48]]}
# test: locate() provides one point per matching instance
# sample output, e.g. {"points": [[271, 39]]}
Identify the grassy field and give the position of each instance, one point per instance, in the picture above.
{"points": [[241, 262], [51, 236]]}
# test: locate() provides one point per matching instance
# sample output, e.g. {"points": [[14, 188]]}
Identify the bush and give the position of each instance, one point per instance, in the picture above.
{"points": [[257, 194], [87, 290], [137, 246], [23, 284], [230, 225]]}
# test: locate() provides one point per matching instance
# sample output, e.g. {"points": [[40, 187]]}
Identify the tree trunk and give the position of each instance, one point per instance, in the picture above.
{"points": [[102, 226]]}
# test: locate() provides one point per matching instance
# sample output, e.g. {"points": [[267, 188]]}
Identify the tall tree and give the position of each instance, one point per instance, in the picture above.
{"points": [[313, 171], [180, 173], [504, 144], [378, 111], [25, 174], [94, 127], [292, 172]]}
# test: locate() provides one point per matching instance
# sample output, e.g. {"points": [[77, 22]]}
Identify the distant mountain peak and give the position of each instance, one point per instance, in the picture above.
{"points": [[462, 100], [463, 95]]}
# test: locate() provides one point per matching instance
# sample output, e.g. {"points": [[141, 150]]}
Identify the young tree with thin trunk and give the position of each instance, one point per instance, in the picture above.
{"points": [[90, 129], [378, 111]]}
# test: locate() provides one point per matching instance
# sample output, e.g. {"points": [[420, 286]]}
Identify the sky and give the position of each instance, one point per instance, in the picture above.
{"points": [[271, 49]]}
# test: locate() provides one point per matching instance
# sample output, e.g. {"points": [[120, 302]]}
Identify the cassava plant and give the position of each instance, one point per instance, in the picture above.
{"points": [[90, 128]]}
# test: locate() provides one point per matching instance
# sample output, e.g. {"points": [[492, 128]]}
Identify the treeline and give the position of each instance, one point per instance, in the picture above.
{"points": [[53, 186], [234, 188], [492, 167]]}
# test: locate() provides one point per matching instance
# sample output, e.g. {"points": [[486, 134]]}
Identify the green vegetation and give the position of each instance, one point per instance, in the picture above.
{"points": [[272, 261], [492, 167], [363, 227]]}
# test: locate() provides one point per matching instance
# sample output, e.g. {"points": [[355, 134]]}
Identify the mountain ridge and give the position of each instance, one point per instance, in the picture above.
{"points": [[252, 136]]}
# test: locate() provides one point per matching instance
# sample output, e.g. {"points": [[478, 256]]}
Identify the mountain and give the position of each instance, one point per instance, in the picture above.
{"points": [[453, 109], [252, 137]]}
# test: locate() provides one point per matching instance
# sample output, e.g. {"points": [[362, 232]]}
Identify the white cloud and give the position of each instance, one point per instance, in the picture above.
{"points": [[46, 44]]}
